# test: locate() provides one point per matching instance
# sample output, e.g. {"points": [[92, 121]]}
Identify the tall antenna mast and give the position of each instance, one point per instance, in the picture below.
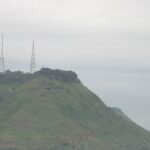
{"points": [[33, 61], [2, 60]]}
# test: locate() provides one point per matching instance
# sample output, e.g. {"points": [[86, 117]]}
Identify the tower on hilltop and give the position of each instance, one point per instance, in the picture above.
{"points": [[2, 60], [33, 60]]}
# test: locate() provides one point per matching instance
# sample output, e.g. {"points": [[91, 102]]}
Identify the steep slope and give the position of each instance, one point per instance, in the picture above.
{"points": [[48, 109], [120, 113]]}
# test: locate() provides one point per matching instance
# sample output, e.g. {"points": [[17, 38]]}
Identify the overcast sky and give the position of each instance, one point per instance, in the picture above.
{"points": [[106, 42]]}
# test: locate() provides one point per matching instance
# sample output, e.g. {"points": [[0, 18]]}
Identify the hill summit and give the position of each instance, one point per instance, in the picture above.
{"points": [[20, 77], [53, 110]]}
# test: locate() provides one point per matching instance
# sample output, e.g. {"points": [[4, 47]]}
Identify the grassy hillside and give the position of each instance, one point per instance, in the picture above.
{"points": [[51, 108]]}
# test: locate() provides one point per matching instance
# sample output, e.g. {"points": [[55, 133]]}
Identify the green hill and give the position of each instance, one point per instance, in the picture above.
{"points": [[50, 108]]}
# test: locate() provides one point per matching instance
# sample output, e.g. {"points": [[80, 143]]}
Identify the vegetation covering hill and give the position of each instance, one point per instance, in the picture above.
{"points": [[50, 108]]}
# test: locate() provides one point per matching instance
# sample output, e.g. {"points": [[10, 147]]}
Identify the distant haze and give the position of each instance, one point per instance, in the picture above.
{"points": [[106, 42]]}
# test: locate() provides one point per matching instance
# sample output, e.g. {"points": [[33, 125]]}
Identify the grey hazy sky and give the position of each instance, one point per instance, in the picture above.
{"points": [[106, 42]]}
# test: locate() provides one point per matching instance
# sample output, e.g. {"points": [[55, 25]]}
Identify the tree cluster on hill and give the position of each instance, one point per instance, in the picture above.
{"points": [[20, 77]]}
